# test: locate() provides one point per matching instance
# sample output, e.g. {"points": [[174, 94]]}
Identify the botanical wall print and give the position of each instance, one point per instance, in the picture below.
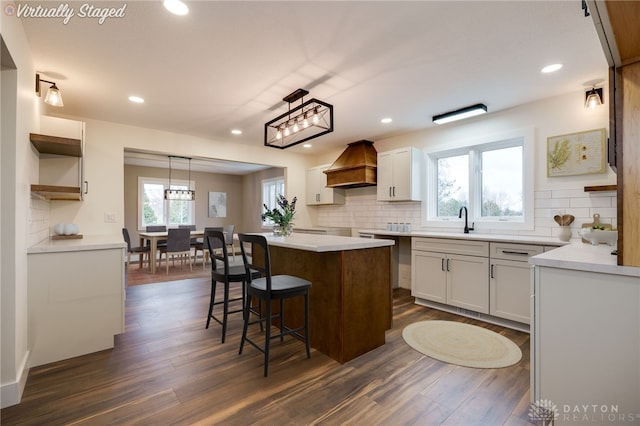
{"points": [[576, 153], [217, 204]]}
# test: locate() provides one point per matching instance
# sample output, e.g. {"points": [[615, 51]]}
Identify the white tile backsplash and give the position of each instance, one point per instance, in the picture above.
{"points": [[362, 210], [39, 224]]}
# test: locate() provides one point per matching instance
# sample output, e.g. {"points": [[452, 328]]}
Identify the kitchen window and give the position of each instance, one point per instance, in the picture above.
{"points": [[494, 180], [153, 209], [271, 188]]}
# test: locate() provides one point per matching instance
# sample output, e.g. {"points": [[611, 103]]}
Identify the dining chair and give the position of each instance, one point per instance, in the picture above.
{"points": [[140, 251], [193, 241], [178, 244], [228, 239], [203, 245], [157, 228], [222, 272], [270, 288]]}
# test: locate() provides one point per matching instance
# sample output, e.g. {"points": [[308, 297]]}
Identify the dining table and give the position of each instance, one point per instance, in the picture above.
{"points": [[154, 237]]}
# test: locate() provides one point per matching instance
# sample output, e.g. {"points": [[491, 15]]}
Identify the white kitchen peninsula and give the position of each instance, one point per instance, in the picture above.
{"points": [[585, 339], [76, 296]]}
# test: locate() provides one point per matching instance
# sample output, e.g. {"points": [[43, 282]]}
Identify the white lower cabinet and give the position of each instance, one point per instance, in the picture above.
{"points": [[444, 276], [76, 302], [429, 276], [490, 279], [510, 277], [586, 343]]}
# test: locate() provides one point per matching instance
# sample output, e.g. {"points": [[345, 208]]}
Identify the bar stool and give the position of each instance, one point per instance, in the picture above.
{"points": [[267, 288], [225, 274]]}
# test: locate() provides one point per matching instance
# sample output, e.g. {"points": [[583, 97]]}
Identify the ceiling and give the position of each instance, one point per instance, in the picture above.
{"points": [[227, 65]]}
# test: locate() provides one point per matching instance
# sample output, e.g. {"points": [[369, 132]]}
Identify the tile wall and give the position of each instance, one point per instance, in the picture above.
{"points": [[362, 211], [39, 225]]}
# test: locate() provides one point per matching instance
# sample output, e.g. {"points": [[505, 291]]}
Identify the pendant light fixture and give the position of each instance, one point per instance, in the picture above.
{"points": [[308, 120], [179, 194]]}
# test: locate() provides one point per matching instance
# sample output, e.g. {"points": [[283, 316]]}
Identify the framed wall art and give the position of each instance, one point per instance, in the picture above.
{"points": [[576, 153], [217, 204]]}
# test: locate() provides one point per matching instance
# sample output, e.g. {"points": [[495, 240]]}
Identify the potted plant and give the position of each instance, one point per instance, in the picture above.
{"points": [[281, 215]]}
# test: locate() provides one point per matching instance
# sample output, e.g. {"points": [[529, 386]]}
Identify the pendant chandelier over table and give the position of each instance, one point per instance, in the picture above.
{"points": [[179, 194]]}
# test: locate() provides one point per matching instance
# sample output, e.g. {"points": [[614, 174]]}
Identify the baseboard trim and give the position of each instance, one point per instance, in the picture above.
{"points": [[11, 393], [472, 314]]}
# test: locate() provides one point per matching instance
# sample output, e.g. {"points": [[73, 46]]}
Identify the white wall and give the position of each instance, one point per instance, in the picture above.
{"points": [[549, 117], [104, 170], [20, 112]]}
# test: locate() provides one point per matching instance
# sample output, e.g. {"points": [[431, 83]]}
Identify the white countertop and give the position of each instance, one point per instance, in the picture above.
{"points": [[584, 257], [88, 242], [526, 239], [324, 243]]}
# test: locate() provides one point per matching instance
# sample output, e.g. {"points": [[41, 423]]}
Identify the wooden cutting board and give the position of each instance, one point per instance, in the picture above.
{"points": [[596, 222]]}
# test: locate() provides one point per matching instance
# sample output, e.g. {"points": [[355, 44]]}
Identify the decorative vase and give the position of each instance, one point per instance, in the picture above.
{"points": [[565, 233], [282, 230]]}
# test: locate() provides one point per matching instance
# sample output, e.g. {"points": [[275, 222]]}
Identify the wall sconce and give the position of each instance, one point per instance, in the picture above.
{"points": [[593, 98], [459, 114], [54, 97], [306, 121], [179, 194]]}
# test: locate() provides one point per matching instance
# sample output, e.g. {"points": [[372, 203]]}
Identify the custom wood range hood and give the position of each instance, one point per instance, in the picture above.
{"points": [[355, 167]]}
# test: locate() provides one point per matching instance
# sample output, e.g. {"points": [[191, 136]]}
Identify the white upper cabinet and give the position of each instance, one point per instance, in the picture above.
{"points": [[317, 192], [400, 175]]}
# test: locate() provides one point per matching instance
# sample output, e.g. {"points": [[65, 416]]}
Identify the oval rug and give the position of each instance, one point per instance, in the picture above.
{"points": [[462, 344]]}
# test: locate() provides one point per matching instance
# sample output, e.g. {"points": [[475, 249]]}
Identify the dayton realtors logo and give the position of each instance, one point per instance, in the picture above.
{"points": [[64, 12]]}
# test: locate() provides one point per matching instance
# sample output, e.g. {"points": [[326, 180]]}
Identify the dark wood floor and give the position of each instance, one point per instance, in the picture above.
{"points": [[166, 369]]}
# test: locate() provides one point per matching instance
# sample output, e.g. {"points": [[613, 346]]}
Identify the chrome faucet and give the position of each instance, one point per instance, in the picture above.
{"points": [[466, 223]]}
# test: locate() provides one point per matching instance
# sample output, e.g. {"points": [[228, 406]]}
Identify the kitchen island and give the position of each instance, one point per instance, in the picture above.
{"points": [[350, 298]]}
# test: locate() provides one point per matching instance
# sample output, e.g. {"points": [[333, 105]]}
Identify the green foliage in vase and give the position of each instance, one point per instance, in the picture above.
{"points": [[282, 215], [560, 154]]}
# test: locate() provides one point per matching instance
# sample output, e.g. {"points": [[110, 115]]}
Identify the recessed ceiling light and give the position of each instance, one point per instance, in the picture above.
{"points": [[307, 145], [386, 120], [236, 132], [176, 7], [551, 68], [136, 99]]}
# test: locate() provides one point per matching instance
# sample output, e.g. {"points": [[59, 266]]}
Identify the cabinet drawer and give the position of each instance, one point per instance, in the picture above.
{"points": [[510, 251], [443, 245]]}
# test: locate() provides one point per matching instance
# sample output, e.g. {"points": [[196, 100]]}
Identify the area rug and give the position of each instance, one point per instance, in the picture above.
{"points": [[462, 344]]}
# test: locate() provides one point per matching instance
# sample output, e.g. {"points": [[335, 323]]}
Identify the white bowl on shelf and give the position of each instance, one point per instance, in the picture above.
{"points": [[599, 236]]}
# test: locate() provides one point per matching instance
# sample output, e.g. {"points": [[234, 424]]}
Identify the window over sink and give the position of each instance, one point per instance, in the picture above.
{"points": [[491, 176]]}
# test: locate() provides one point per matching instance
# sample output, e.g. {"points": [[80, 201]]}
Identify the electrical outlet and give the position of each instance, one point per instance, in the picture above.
{"points": [[110, 218]]}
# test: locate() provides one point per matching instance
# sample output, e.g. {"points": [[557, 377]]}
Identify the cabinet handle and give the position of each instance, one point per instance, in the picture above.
{"points": [[448, 265], [394, 191], [442, 264], [491, 273], [86, 187], [389, 191], [522, 253]]}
